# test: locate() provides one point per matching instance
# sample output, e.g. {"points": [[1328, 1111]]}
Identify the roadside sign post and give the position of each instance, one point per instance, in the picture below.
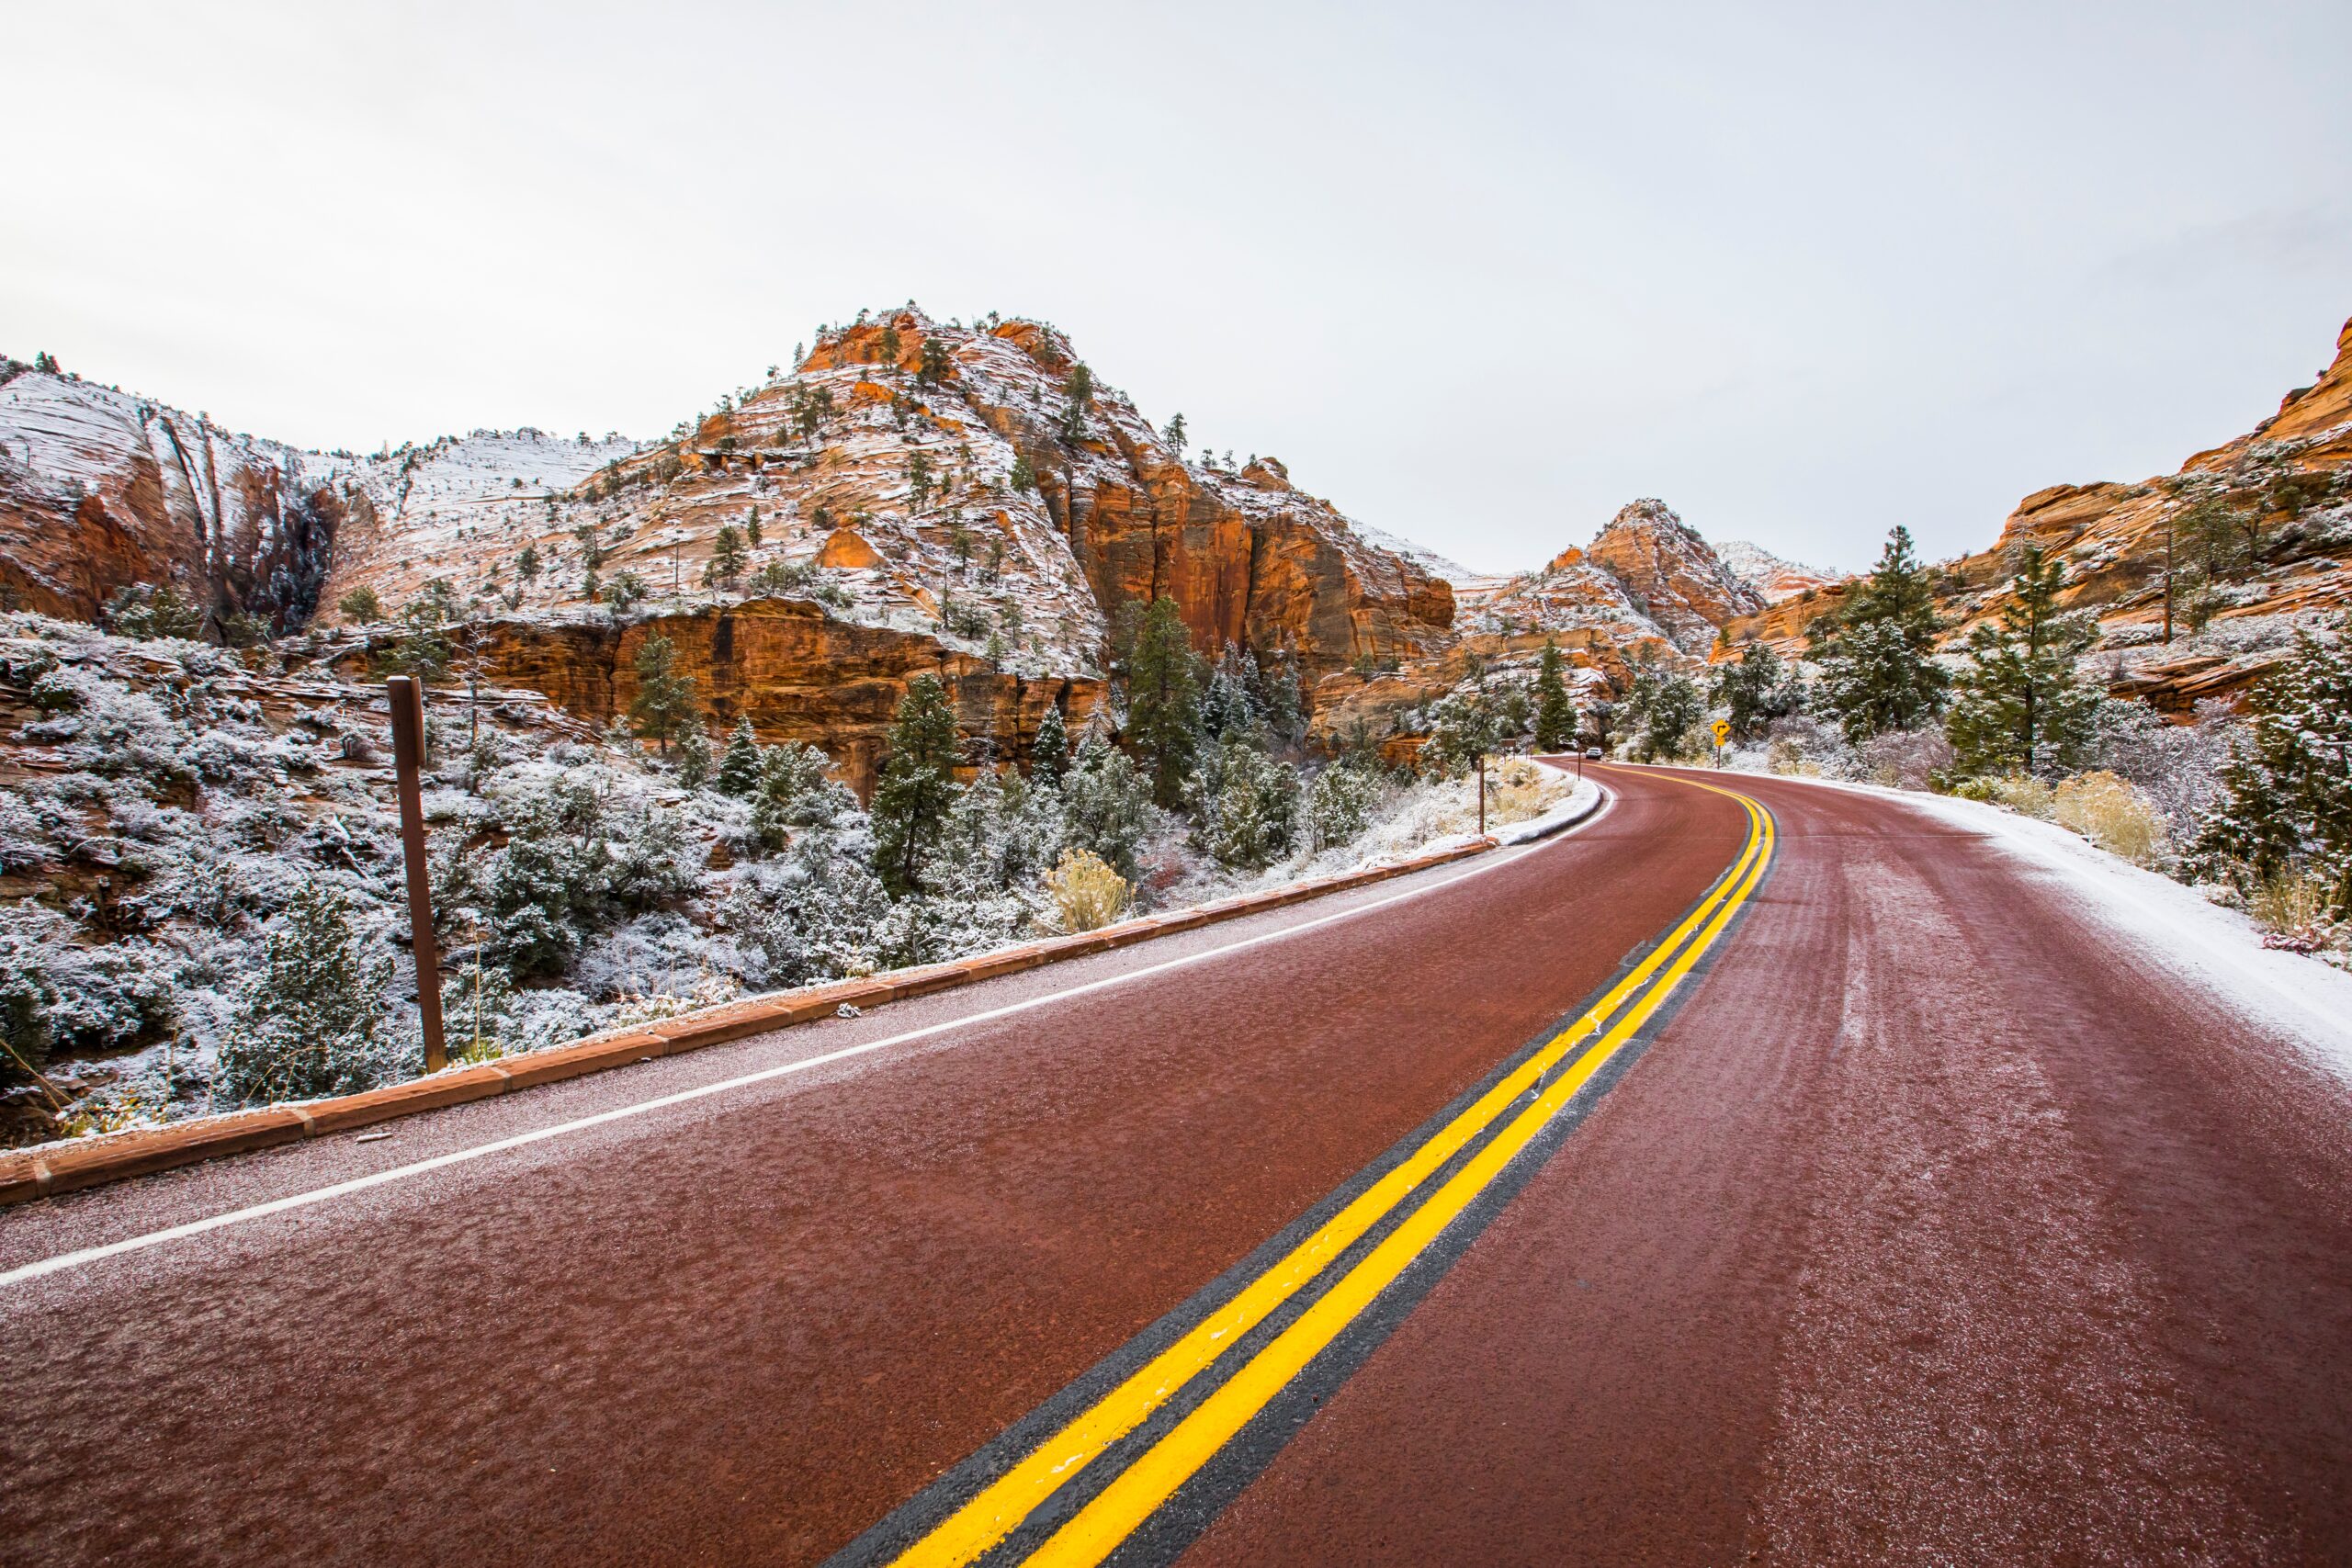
{"points": [[407, 694], [1723, 734], [1482, 794]]}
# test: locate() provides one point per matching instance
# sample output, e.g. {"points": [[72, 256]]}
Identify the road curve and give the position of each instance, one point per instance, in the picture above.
{"points": [[1938, 1228], [1921, 1223]]}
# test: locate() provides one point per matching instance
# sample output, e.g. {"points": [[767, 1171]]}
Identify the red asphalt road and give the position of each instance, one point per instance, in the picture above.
{"points": [[1934, 1227]]}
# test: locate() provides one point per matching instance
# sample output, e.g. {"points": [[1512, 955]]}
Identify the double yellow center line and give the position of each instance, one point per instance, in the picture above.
{"points": [[1152, 1475]]}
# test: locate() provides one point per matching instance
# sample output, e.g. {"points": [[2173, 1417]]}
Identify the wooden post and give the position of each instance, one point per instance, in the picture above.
{"points": [[1482, 794], [407, 694]]}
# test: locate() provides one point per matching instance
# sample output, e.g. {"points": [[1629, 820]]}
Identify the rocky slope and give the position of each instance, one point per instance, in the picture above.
{"points": [[1672, 574], [1773, 578], [925, 496], [101, 490], [1647, 588], [2282, 496]]}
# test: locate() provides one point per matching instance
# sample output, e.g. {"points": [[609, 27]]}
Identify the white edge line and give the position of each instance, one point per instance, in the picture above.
{"points": [[25, 1272]]}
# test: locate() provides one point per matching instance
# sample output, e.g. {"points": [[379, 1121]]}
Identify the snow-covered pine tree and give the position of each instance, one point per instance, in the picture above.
{"points": [[1163, 701], [1108, 804], [2020, 708], [692, 763], [917, 786], [2286, 800], [313, 1020], [1670, 708], [1339, 804], [1255, 808], [1753, 690], [1555, 715], [1285, 706], [1049, 752], [1228, 706], [791, 792], [1878, 667], [665, 703], [739, 768]]}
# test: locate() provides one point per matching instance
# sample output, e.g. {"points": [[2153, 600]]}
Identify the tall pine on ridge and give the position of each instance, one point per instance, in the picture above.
{"points": [[1878, 669]]}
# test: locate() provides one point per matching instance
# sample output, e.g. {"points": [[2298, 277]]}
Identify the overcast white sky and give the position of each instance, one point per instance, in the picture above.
{"points": [[1478, 272]]}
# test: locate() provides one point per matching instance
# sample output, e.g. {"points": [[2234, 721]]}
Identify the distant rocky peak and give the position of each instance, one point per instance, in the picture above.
{"points": [[1672, 573], [1774, 577]]}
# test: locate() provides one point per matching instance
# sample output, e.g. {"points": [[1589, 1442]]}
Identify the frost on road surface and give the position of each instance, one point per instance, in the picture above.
{"points": [[2217, 949]]}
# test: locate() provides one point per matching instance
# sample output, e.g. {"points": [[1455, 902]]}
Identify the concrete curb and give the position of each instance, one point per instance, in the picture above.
{"points": [[58, 1168]]}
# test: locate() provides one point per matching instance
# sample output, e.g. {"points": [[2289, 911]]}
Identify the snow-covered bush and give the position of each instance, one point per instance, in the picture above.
{"points": [[1248, 820], [654, 955], [1907, 759], [1107, 806], [60, 993], [2176, 766], [1804, 745], [1337, 804], [313, 1021]]}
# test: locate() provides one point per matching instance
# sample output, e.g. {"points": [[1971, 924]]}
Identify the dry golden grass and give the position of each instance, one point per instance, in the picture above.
{"points": [[2289, 902], [2110, 814], [1087, 893]]}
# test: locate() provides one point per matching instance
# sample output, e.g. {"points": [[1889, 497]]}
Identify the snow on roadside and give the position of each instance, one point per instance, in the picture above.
{"points": [[2217, 948]]}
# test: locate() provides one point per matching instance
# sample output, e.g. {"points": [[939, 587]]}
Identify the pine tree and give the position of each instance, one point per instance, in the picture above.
{"points": [[1665, 706], [1107, 805], [792, 791], [935, 366], [1081, 390], [693, 761], [526, 562], [312, 1020], [739, 767], [1752, 690], [751, 527], [2020, 707], [918, 479], [1163, 700], [1555, 715], [726, 556], [1050, 753], [2286, 801], [1878, 667], [1024, 475], [665, 703], [425, 648], [1175, 433], [1256, 806], [1230, 701], [917, 787]]}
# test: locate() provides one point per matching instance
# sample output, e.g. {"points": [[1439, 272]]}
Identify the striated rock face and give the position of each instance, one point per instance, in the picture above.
{"points": [[795, 671], [1671, 574], [101, 490]]}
